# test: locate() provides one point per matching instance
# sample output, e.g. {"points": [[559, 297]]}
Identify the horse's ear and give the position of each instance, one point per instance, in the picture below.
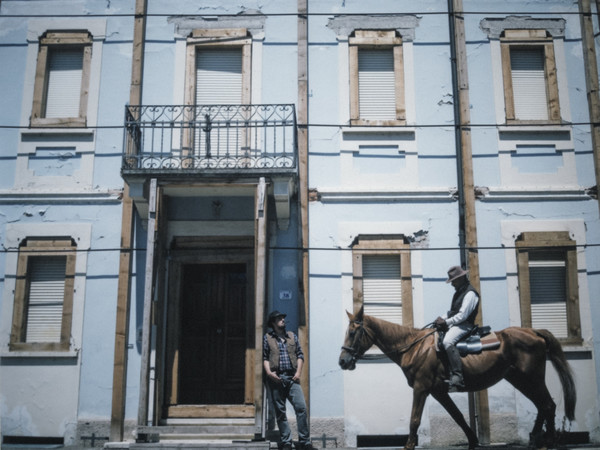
{"points": [[359, 315]]}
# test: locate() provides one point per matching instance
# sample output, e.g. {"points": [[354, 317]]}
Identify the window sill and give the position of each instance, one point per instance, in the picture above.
{"points": [[539, 127], [40, 354], [379, 129], [66, 122]]}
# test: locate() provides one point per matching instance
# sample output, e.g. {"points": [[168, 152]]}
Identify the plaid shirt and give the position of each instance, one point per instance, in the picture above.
{"points": [[285, 363]]}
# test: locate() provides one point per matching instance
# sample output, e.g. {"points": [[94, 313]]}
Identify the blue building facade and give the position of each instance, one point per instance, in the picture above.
{"points": [[171, 174]]}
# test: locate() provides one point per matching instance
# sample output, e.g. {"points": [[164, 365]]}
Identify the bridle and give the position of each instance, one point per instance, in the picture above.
{"points": [[354, 352]]}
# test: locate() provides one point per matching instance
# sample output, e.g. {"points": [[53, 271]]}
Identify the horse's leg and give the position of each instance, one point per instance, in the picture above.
{"points": [[444, 399], [536, 391], [419, 397]]}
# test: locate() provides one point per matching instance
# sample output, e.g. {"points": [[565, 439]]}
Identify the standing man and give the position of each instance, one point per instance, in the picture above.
{"points": [[283, 360], [457, 322]]}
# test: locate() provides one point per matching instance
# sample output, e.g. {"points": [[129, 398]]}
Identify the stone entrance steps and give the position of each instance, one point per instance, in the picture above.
{"points": [[200, 433]]}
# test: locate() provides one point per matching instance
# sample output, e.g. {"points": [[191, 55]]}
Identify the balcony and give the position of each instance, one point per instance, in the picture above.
{"points": [[209, 141]]}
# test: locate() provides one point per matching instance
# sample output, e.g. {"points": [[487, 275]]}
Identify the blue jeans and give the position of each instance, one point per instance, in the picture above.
{"points": [[289, 390]]}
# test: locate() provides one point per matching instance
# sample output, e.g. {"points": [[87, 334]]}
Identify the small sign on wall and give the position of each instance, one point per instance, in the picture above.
{"points": [[285, 295]]}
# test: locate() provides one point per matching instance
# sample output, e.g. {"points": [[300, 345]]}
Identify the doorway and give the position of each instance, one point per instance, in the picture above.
{"points": [[213, 334], [209, 345]]}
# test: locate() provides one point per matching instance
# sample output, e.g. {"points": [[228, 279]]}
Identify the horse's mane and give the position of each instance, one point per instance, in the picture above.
{"points": [[391, 330]]}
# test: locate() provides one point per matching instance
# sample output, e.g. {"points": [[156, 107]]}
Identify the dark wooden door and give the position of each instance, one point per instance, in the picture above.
{"points": [[212, 342]]}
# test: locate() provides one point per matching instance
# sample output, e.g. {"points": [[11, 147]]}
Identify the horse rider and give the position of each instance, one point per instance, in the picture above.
{"points": [[457, 322]]}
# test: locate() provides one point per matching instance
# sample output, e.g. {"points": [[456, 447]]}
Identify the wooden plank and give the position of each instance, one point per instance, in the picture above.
{"points": [[303, 307], [467, 197], [591, 80], [399, 82], [117, 419], [509, 104], [39, 84], [85, 81], [147, 311], [220, 33], [357, 282], [407, 291], [524, 293], [551, 82], [211, 411], [260, 265], [573, 318], [122, 322], [353, 71], [249, 376]]}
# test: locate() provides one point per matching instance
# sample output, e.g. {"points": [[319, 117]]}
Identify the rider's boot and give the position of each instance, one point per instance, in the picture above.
{"points": [[456, 382]]}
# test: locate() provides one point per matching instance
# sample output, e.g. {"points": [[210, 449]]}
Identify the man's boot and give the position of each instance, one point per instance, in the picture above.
{"points": [[456, 382]]}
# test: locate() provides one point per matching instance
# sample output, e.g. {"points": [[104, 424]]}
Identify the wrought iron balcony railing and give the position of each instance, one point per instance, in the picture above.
{"points": [[209, 138]]}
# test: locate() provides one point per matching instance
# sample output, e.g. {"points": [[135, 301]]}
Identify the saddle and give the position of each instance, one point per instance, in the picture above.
{"points": [[477, 340]]}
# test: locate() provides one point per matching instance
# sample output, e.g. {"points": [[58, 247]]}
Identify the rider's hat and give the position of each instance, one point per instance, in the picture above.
{"points": [[455, 272]]}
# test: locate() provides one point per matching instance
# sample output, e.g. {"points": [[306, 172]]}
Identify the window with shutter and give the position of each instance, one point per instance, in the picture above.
{"points": [[218, 83], [63, 92], [529, 74], [548, 286], [62, 79], [376, 82], [548, 290], [382, 287], [381, 277], [529, 83], [376, 78], [218, 75], [44, 295]]}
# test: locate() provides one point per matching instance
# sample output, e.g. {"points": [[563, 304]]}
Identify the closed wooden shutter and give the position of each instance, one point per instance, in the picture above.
{"points": [[382, 287], [529, 83], [46, 298], [63, 93], [548, 290], [376, 84], [219, 82]]}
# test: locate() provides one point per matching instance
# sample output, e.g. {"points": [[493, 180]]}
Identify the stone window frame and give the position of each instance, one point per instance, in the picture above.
{"points": [[537, 38], [396, 245], [57, 39], [374, 39], [30, 248], [530, 241]]}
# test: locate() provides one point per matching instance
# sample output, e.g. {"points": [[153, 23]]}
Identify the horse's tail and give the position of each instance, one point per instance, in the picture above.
{"points": [[557, 357]]}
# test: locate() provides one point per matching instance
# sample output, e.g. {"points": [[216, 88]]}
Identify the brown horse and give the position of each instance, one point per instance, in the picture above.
{"points": [[520, 359]]}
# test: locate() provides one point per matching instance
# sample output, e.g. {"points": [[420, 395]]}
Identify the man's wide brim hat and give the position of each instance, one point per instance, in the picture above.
{"points": [[274, 315], [455, 272]]}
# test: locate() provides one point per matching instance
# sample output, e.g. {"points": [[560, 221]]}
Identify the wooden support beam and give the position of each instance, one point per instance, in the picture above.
{"points": [[260, 290], [468, 220], [117, 417], [591, 80], [147, 312], [303, 307]]}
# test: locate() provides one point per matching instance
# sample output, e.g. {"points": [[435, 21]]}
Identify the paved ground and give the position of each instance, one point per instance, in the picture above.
{"points": [[233, 446]]}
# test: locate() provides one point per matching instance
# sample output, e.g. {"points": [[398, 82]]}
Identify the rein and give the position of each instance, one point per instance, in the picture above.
{"points": [[361, 329]]}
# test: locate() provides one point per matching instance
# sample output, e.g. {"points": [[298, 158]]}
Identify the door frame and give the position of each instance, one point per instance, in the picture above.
{"points": [[205, 250]]}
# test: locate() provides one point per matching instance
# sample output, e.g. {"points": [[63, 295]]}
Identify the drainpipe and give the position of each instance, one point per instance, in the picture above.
{"points": [[467, 226], [117, 417]]}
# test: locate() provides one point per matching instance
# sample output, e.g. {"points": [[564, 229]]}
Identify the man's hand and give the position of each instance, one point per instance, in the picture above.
{"points": [[273, 376], [440, 324]]}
